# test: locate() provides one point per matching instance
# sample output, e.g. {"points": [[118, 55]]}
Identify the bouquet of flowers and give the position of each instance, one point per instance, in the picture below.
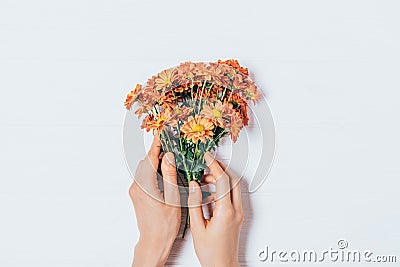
{"points": [[192, 106]]}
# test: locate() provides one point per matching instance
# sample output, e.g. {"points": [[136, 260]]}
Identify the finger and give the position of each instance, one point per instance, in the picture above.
{"points": [[154, 152], [209, 185], [168, 169], [140, 170], [197, 222], [146, 179], [221, 181], [209, 178], [236, 194]]}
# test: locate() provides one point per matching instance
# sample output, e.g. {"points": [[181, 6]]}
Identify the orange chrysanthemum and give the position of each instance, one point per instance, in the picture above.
{"points": [[214, 111], [168, 101], [172, 96], [240, 106], [252, 92], [132, 97], [143, 109], [235, 64], [235, 125], [150, 123], [180, 114], [180, 88], [198, 128], [156, 124], [185, 72], [165, 78]]}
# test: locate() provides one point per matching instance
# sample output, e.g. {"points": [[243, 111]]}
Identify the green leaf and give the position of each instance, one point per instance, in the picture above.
{"points": [[199, 167]]}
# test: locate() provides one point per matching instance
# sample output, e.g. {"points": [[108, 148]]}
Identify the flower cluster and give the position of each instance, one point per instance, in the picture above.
{"points": [[193, 106]]}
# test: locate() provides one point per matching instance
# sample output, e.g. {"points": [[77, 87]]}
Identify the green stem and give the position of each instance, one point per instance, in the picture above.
{"points": [[196, 151], [215, 140], [230, 95], [169, 148], [169, 140], [179, 135], [186, 223], [223, 94], [175, 98], [209, 89], [191, 89], [201, 97], [180, 178]]}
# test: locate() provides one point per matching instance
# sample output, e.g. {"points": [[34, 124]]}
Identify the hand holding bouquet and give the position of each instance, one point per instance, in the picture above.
{"points": [[192, 107]]}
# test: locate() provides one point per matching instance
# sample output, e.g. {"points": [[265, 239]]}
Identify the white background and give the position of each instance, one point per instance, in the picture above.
{"points": [[330, 70]]}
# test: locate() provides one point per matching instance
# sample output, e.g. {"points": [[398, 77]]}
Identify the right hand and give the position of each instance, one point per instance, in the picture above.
{"points": [[216, 241]]}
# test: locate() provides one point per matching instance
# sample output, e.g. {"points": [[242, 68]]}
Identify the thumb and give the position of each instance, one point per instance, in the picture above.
{"points": [[195, 210], [168, 169]]}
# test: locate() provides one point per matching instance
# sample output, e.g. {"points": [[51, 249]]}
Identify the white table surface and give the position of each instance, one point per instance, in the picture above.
{"points": [[330, 71]]}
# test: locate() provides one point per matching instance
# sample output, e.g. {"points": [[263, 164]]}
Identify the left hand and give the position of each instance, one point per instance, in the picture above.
{"points": [[158, 214]]}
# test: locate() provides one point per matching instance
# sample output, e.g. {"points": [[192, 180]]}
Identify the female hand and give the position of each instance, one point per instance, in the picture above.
{"points": [[158, 221], [216, 241]]}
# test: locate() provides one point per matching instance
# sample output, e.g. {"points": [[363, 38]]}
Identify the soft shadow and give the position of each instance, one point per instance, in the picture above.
{"points": [[179, 242], [248, 219]]}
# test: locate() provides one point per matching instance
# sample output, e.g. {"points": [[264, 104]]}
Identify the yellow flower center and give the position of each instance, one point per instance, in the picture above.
{"points": [[167, 80], [216, 113], [161, 121], [198, 128]]}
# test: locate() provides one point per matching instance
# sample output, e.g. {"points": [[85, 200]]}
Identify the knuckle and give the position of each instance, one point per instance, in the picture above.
{"points": [[229, 213], [153, 156], [240, 216], [170, 172], [192, 202], [224, 176]]}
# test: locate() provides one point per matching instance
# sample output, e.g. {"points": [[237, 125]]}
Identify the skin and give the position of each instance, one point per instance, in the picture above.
{"points": [[157, 221], [216, 240]]}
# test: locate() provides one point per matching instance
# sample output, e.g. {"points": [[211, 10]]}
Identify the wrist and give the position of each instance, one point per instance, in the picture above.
{"points": [[222, 263], [150, 254], [227, 263]]}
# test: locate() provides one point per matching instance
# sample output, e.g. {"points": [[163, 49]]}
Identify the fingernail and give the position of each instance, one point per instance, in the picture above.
{"points": [[170, 158]]}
